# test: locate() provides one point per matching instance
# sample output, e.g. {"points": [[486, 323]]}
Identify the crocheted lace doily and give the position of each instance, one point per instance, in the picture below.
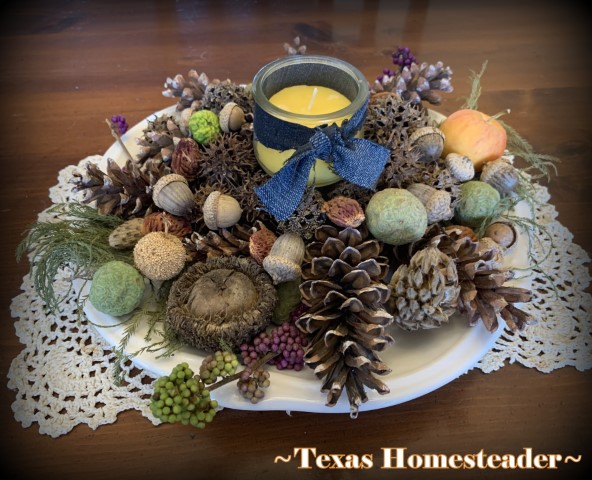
{"points": [[63, 375]]}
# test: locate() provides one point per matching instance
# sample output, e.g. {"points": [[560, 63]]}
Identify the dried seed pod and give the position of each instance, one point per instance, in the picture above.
{"points": [[503, 233], [221, 211], [344, 212], [186, 158], [501, 175], [173, 195], [284, 259], [231, 117], [260, 243], [165, 222], [159, 256], [429, 141], [127, 234], [461, 167], [437, 203]]}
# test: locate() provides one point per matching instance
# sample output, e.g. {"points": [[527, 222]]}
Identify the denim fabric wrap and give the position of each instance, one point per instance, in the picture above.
{"points": [[356, 160]]}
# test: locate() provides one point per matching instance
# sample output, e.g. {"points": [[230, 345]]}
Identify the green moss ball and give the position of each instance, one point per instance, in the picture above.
{"points": [[477, 201], [396, 216], [117, 288], [204, 126]]}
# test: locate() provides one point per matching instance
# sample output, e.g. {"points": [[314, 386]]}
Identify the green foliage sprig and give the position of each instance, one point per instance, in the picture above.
{"points": [[78, 238]]}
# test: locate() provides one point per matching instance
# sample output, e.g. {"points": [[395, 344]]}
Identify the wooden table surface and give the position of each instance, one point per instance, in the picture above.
{"points": [[68, 66]]}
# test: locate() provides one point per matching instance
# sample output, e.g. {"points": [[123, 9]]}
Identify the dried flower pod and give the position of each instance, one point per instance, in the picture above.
{"points": [[437, 203], [501, 175], [503, 233], [231, 117], [127, 234], [344, 212], [221, 211], [165, 222], [461, 167], [429, 141], [186, 158], [260, 243], [173, 195], [284, 259]]}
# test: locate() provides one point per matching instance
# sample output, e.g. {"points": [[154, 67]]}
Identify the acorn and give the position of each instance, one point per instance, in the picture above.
{"points": [[461, 167], [285, 258], [429, 141], [503, 233], [231, 117], [437, 203], [221, 211], [501, 175], [172, 193]]}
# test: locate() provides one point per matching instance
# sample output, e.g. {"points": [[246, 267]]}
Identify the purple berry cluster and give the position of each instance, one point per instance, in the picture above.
{"points": [[285, 339], [252, 385], [118, 121], [387, 72], [403, 57]]}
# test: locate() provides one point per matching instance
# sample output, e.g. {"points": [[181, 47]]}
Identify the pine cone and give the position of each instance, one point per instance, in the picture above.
{"points": [[346, 319], [226, 242], [159, 139], [188, 90], [425, 292], [220, 93], [483, 293], [125, 192], [418, 82]]}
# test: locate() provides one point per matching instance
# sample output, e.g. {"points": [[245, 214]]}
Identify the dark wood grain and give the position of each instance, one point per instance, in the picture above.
{"points": [[67, 65]]}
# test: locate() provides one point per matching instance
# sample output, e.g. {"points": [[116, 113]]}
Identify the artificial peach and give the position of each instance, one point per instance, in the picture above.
{"points": [[474, 134]]}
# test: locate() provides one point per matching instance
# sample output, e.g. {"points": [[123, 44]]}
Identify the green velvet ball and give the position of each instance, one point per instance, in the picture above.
{"points": [[396, 216], [204, 126], [477, 202], [117, 288]]}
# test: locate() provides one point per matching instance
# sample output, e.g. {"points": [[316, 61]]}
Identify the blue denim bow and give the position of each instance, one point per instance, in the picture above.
{"points": [[356, 160]]}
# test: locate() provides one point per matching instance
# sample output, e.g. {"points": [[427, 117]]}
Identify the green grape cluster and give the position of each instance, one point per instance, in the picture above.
{"points": [[252, 385], [182, 397], [218, 364]]}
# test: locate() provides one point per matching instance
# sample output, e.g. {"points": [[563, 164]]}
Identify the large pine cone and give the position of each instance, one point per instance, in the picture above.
{"points": [[484, 294], [424, 293], [346, 318], [125, 192]]}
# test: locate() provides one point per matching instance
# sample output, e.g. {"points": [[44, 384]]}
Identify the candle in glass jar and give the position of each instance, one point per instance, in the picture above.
{"points": [[311, 106]]}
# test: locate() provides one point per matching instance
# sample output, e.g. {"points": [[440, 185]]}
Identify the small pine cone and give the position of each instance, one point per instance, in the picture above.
{"points": [[221, 243], [424, 293], [418, 82], [220, 93], [159, 139], [188, 90]]}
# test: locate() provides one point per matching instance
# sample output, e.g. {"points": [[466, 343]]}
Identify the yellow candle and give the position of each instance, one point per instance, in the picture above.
{"points": [[302, 102]]}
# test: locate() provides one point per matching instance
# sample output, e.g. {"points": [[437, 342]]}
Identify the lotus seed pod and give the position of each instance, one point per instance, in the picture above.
{"points": [[396, 216], [117, 288], [204, 126], [478, 201]]}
